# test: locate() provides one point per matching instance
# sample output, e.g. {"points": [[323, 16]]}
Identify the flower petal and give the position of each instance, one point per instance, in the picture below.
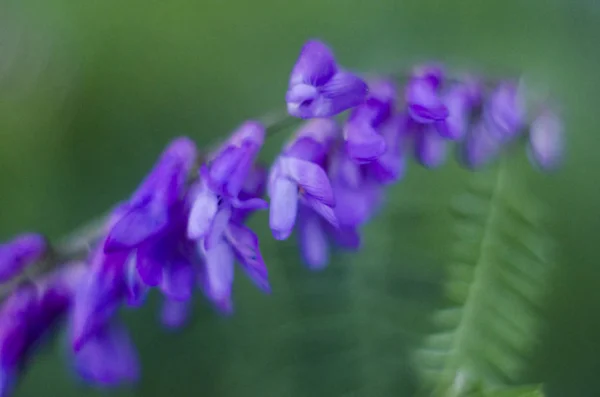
{"points": [[430, 148], [202, 214], [136, 226], [216, 279], [315, 65], [149, 262], [245, 245], [174, 314], [363, 143], [136, 288], [546, 141], [310, 177], [109, 358], [326, 212], [312, 239], [178, 279], [480, 146], [344, 91], [20, 252], [347, 237], [218, 225], [424, 104], [283, 208], [223, 165]]}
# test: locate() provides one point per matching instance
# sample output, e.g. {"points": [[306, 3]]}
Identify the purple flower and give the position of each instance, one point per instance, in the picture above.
{"points": [[358, 194], [364, 141], [229, 167], [433, 73], [390, 166], [298, 175], [20, 252], [317, 88], [424, 103], [225, 239], [150, 209], [480, 146], [505, 111], [460, 100], [430, 147], [546, 140]]}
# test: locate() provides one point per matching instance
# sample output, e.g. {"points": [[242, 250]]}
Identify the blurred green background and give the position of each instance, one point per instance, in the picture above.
{"points": [[91, 91]]}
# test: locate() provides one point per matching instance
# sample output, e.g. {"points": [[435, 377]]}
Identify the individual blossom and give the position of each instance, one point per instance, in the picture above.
{"points": [[298, 176], [546, 140], [460, 99], [423, 99], [20, 252], [231, 240], [318, 88], [480, 146], [230, 165], [157, 200], [364, 141], [504, 112]]}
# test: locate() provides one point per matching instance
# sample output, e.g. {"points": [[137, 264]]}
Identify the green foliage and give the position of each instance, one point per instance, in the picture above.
{"points": [[496, 283]]}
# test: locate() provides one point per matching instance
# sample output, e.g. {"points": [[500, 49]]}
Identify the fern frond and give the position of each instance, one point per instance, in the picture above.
{"points": [[497, 279]]}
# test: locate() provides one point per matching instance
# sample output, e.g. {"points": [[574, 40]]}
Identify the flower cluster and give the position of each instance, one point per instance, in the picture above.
{"points": [[184, 228]]}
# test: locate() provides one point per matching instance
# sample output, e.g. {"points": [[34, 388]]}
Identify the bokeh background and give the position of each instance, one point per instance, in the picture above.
{"points": [[91, 91]]}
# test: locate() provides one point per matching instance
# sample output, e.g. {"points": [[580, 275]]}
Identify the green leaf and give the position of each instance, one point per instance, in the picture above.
{"points": [[496, 284]]}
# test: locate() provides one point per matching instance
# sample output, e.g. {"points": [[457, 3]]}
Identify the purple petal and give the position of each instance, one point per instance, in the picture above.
{"points": [[308, 149], [505, 111], [390, 166], [323, 131], [109, 358], [178, 280], [430, 148], [136, 226], [283, 208], [315, 65], [218, 225], [224, 164], [363, 143], [202, 214], [166, 181], [16, 317], [216, 279], [311, 178], [480, 146], [245, 245], [344, 91], [254, 184], [424, 105], [456, 101], [326, 212], [433, 73], [174, 314], [136, 288], [149, 262], [346, 237], [546, 140], [312, 239], [20, 252]]}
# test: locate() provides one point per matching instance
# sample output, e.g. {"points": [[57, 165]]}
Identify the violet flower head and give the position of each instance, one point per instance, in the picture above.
{"points": [[20, 252], [298, 174], [546, 140], [423, 100], [504, 112], [151, 207], [318, 88], [364, 141]]}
